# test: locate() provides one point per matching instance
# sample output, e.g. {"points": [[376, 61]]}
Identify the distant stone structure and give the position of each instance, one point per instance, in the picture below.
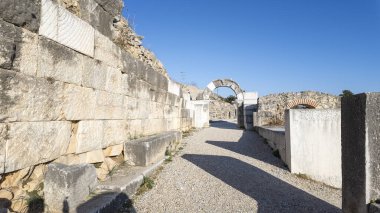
{"points": [[222, 110], [271, 108]]}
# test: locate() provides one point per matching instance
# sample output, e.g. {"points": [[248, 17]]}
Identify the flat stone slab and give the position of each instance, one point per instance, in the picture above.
{"points": [[147, 150], [65, 187], [113, 193]]}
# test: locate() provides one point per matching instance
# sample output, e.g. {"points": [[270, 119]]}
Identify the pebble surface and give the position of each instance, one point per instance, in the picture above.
{"points": [[226, 169]]}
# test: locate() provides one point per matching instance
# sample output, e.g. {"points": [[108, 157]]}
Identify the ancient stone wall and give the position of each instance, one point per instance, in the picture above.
{"points": [[222, 110], [272, 108], [75, 84]]}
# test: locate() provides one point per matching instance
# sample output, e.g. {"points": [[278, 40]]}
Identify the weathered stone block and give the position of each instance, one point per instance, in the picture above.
{"points": [[79, 102], [129, 62], [60, 25], [65, 187], [106, 51], [94, 74], [148, 150], [174, 88], [109, 106], [113, 7], [112, 151], [26, 58], [22, 13], [96, 16], [25, 98], [75, 33], [59, 62], [49, 19], [360, 151], [114, 81], [115, 132], [89, 136], [32, 143], [154, 126], [10, 36], [143, 89], [95, 156]]}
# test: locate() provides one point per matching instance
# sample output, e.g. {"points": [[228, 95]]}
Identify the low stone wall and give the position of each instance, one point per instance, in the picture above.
{"points": [[271, 109], [275, 137], [73, 90], [313, 144], [222, 110]]}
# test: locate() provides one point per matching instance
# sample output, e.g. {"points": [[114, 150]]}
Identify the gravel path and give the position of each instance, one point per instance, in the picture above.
{"points": [[225, 169]]}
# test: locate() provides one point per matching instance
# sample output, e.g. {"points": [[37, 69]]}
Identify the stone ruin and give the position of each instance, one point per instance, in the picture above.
{"points": [[81, 96], [77, 89]]}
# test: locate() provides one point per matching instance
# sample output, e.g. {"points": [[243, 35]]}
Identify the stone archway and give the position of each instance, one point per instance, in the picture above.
{"points": [[222, 83]]}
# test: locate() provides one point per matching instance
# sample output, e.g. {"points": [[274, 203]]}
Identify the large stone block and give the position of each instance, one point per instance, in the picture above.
{"points": [[143, 89], [22, 13], [95, 135], [113, 7], [360, 151], [115, 132], [148, 150], [31, 143], [109, 106], [95, 156], [313, 144], [112, 151], [114, 81], [107, 52], [25, 98], [10, 37], [60, 25], [94, 74], [26, 59], [129, 62], [154, 126], [79, 102], [89, 136], [65, 187], [95, 15], [174, 88], [59, 62]]}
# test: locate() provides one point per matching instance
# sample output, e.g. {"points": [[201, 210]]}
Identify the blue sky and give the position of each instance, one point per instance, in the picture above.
{"points": [[268, 46]]}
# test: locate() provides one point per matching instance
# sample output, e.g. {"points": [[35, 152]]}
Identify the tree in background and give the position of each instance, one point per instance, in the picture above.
{"points": [[230, 99], [346, 93]]}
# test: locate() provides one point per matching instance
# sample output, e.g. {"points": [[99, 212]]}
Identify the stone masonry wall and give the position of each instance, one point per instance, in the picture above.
{"points": [[75, 84], [272, 108], [222, 110]]}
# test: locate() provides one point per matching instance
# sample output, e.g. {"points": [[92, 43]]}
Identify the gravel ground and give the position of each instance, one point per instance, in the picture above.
{"points": [[225, 169]]}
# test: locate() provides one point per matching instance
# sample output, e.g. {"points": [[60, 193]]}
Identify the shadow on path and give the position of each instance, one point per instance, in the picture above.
{"points": [[250, 144], [271, 193], [222, 124], [121, 203]]}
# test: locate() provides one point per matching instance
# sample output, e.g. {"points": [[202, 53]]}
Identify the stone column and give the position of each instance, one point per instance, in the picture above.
{"points": [[250, 105], [360, 151]]}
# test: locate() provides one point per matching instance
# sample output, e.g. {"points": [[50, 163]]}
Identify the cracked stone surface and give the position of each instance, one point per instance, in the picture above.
{"points": [[225, 169]]}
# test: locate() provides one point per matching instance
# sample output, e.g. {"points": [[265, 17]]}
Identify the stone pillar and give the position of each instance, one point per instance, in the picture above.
{"points": [[250, 105], [360, 151], [201, 113], [240, 114]]}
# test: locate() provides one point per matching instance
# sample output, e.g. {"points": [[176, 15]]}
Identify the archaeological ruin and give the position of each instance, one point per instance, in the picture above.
{"points": [[88, 114]]}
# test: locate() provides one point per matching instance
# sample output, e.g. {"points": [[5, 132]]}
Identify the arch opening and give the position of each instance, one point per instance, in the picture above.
{"points": [[302, 104], [222, 83]]}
